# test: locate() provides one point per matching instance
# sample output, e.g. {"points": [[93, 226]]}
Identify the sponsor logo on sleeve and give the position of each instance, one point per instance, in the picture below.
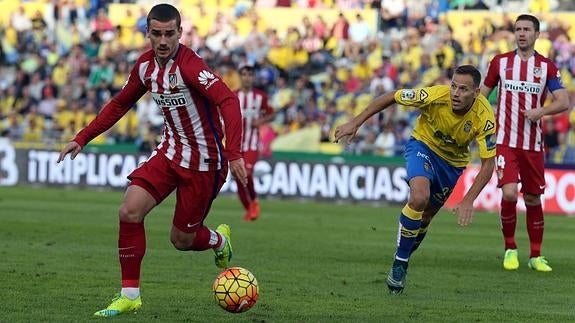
{"points": [[423, 95], [207, 79], [490, 142], [488, 125]]}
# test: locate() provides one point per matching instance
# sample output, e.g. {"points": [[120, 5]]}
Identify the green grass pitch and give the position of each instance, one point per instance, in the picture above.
{"points": [[314, 261]]}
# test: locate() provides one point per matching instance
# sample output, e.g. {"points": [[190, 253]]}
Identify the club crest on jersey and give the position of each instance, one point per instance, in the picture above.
{"points": [[173, 80], [537, 72], [467, 126]]}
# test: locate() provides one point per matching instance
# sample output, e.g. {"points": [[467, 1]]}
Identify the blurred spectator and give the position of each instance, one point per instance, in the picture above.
{"points": [[92, 46], [393, 15], [385, 141], [229, 75], [367, 146], [142, 20], [102, 24], [22, 24], [359, 34], [340, 34], [32, 126], [147, 139], [550, 137], [48, 104], [316, 71], [12, 127], [24, 102]]}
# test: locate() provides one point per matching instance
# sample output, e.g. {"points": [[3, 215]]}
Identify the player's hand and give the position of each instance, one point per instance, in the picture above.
{"points": [[257, 123], [238, 170], [345, 131], [464, 212], [72, 148], [533, 115]]}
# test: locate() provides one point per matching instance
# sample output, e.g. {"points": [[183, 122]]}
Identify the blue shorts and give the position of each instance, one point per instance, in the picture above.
{"points": [[422, 161]]}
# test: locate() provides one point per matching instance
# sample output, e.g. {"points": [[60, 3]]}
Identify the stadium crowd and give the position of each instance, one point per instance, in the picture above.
{"points": [[59, 66]]}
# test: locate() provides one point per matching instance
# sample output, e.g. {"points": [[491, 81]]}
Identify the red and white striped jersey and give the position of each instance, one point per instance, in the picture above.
{"points": [[522, 85], [193, 100], [254, 105]]}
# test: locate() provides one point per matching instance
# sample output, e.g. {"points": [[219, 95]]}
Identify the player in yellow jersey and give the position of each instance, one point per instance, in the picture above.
{"points": [[451, 117]]}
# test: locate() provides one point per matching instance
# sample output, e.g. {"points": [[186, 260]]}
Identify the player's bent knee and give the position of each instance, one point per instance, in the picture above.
{"points": [[182, 244], [418, 201], [181, 240], [531, 199], [131, 215]]}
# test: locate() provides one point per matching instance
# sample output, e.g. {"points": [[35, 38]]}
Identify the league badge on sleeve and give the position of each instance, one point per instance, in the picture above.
{"points": [[408, 95]]}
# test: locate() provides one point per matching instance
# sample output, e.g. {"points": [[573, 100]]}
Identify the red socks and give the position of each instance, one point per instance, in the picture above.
{"points": [[508, 222], [131, 250], [535, 226], [205, 239]]}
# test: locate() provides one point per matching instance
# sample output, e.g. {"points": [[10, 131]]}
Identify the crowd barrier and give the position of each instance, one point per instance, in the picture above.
{"points": [[287, 175]]}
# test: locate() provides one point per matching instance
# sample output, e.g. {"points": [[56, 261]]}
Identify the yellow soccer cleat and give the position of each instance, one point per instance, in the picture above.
{"points": [[539, 264], [120, 305], [223, 257], [510, 261]]}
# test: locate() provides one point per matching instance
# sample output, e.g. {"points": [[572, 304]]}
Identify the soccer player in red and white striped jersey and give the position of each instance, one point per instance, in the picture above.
{"points": [[255, 112], [190, 159], [524, 79]]}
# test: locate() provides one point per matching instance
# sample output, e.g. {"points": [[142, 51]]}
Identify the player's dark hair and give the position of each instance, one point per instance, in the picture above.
{"points": [[164, 12], [470, 70], [531, 18]]}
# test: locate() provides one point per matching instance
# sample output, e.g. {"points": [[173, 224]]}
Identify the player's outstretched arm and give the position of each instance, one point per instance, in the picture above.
{"points": [[348, 130], [464, 210], [72, 148]]}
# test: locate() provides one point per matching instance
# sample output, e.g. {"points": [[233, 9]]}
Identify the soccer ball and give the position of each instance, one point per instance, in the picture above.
{"points": [[236, 289]]}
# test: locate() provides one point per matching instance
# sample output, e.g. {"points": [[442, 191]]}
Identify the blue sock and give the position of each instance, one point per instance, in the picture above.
{"points": [[418, 239], [409, 223]]}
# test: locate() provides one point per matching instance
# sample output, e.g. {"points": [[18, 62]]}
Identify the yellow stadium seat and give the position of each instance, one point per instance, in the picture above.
{"points": [[342, 103], [362, 101], [330, 148]]}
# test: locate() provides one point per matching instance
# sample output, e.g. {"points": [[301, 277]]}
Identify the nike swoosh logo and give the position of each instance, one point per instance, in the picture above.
{"points": [[541, 186], [190, 225], [242, 304]]}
